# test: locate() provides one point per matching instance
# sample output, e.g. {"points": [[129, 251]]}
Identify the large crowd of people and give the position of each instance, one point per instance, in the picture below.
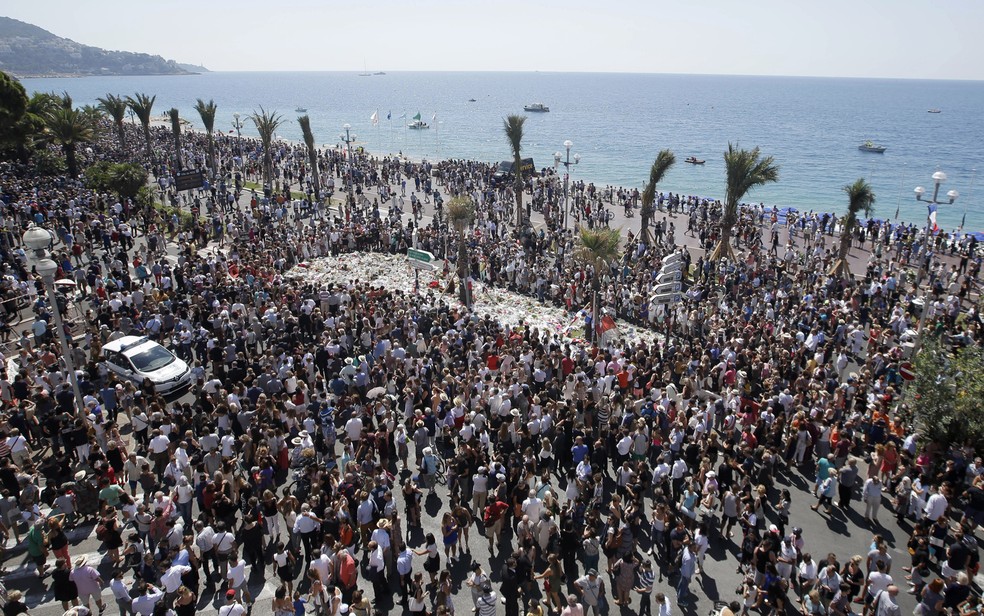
{"points": [[326, 421]]}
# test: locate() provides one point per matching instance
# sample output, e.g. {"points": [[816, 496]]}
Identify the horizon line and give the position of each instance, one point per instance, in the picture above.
{"points": [[357, 72]]}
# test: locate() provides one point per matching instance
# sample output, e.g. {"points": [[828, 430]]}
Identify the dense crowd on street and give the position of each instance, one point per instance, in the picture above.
{"points": [[328, 423]]}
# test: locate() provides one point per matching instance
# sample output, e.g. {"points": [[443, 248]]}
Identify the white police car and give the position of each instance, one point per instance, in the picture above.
{"points": [[136, 358]]}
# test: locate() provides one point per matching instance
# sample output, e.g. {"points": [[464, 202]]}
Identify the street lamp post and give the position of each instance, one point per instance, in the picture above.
{"points": [[938, 178], [39, 241], [348, 138], [238, 125], [567, 173]]}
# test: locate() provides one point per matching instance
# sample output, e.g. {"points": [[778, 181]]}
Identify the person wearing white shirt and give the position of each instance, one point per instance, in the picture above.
{"points": [[935, 506], [228, 445], [18, 448], [171, 581], [144, 604], [353, 428], [236, 577], [121, 593]]}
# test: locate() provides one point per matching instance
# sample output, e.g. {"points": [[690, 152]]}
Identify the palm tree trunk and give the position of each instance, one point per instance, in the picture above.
{"points": [[646, 218], [841, 267], [211, 151], [150, 151], [463, 270], [121, 134], [315, 179], [70, 160], [724, 249], [267, 167], [595, 308], [519, 205]]}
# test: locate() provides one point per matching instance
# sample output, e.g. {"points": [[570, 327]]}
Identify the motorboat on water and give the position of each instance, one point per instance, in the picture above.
{"points": [[471, 100], [693, 160], [934, 110], [536, 107], [301, 110], [869, 146]]}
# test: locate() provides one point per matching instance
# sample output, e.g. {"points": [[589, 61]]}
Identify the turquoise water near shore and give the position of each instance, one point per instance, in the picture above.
{"points": [[618, 122]]}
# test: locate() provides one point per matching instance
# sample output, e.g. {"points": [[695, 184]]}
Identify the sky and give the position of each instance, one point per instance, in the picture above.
{"points": [[916, 39]]}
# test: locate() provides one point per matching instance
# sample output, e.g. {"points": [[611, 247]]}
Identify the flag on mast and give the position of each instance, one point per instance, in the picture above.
{"points": [[389, 114], [434, 117], [374, 118], [932, 216], [963, 220]]}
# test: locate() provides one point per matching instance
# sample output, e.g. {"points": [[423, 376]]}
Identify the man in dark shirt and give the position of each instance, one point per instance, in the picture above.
{"points": [[509, 587]]}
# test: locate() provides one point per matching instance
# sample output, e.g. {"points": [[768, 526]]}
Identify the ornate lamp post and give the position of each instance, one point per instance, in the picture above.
{"points": [[938, 178], [567, 173], [39, 240]]}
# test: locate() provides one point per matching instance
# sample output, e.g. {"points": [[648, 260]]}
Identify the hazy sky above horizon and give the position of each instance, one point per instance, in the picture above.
{"points": [[838, 38]]}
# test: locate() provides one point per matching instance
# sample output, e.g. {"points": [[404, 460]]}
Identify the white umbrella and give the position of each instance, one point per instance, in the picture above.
{"points": [[375, 392], [65, 282]]}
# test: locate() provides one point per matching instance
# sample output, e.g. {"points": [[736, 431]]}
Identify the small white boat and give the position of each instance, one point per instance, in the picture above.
{"points": [[868, 146], [301, 110], [536, 107], [417, 123], [934, 110]]}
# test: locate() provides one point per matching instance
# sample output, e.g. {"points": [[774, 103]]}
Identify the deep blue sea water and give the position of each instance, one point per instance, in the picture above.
{"points": [[618, 122]]}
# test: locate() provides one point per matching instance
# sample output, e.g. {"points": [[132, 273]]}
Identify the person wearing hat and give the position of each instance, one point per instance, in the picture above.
{"points": [[232, 607], [428, 470], [89, 583], [591, 588], [488, 601]]}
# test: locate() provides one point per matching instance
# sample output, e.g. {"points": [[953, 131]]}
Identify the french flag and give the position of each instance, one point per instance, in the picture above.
{"points": [[932, 217]]}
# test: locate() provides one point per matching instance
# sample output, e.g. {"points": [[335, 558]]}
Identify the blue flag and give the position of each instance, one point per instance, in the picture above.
{"points": [[389, 114]]}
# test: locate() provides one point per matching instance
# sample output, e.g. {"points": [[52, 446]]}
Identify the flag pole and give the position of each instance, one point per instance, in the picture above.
{"points": [[973, 180], [899, 206]]}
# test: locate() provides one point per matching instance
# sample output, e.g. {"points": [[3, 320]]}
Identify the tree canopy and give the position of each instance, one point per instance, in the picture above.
{"points": [[943, 403]]}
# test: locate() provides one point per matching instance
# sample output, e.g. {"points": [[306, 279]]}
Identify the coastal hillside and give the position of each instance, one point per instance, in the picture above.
{"points": [[29, 51]]}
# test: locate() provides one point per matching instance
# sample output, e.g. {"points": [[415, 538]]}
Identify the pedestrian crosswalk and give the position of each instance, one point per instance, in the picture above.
{"points": [[40, 599]]}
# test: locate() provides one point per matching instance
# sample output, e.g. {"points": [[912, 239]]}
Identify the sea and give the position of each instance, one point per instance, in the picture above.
{"points": [[619, 122]]}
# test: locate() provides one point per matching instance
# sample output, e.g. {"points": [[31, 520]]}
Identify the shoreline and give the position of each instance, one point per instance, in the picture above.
{"points": [[782, 211]]}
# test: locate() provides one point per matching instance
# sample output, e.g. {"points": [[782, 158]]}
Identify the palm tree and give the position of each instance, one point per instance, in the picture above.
{"points": [[860, 198], [93, 115], [305, 123], [207, 113], [43, 103], [115, 107], [267, 124], [513, 126], [745, 170], [664, 160], [68, 128], [599, 247], [461, 215], [143, 106], [176, 131]]}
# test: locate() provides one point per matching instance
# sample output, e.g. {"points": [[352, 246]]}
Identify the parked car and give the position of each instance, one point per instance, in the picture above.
{"points": [[136, 358]]}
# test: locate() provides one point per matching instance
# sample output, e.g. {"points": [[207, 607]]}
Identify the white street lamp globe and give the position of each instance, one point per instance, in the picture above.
{"points": [[577, 158], [38, 238], [939, 177], [953, 195], [346, 126], [920, 191], [46, 267], [568, 144], [556, 158]]}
